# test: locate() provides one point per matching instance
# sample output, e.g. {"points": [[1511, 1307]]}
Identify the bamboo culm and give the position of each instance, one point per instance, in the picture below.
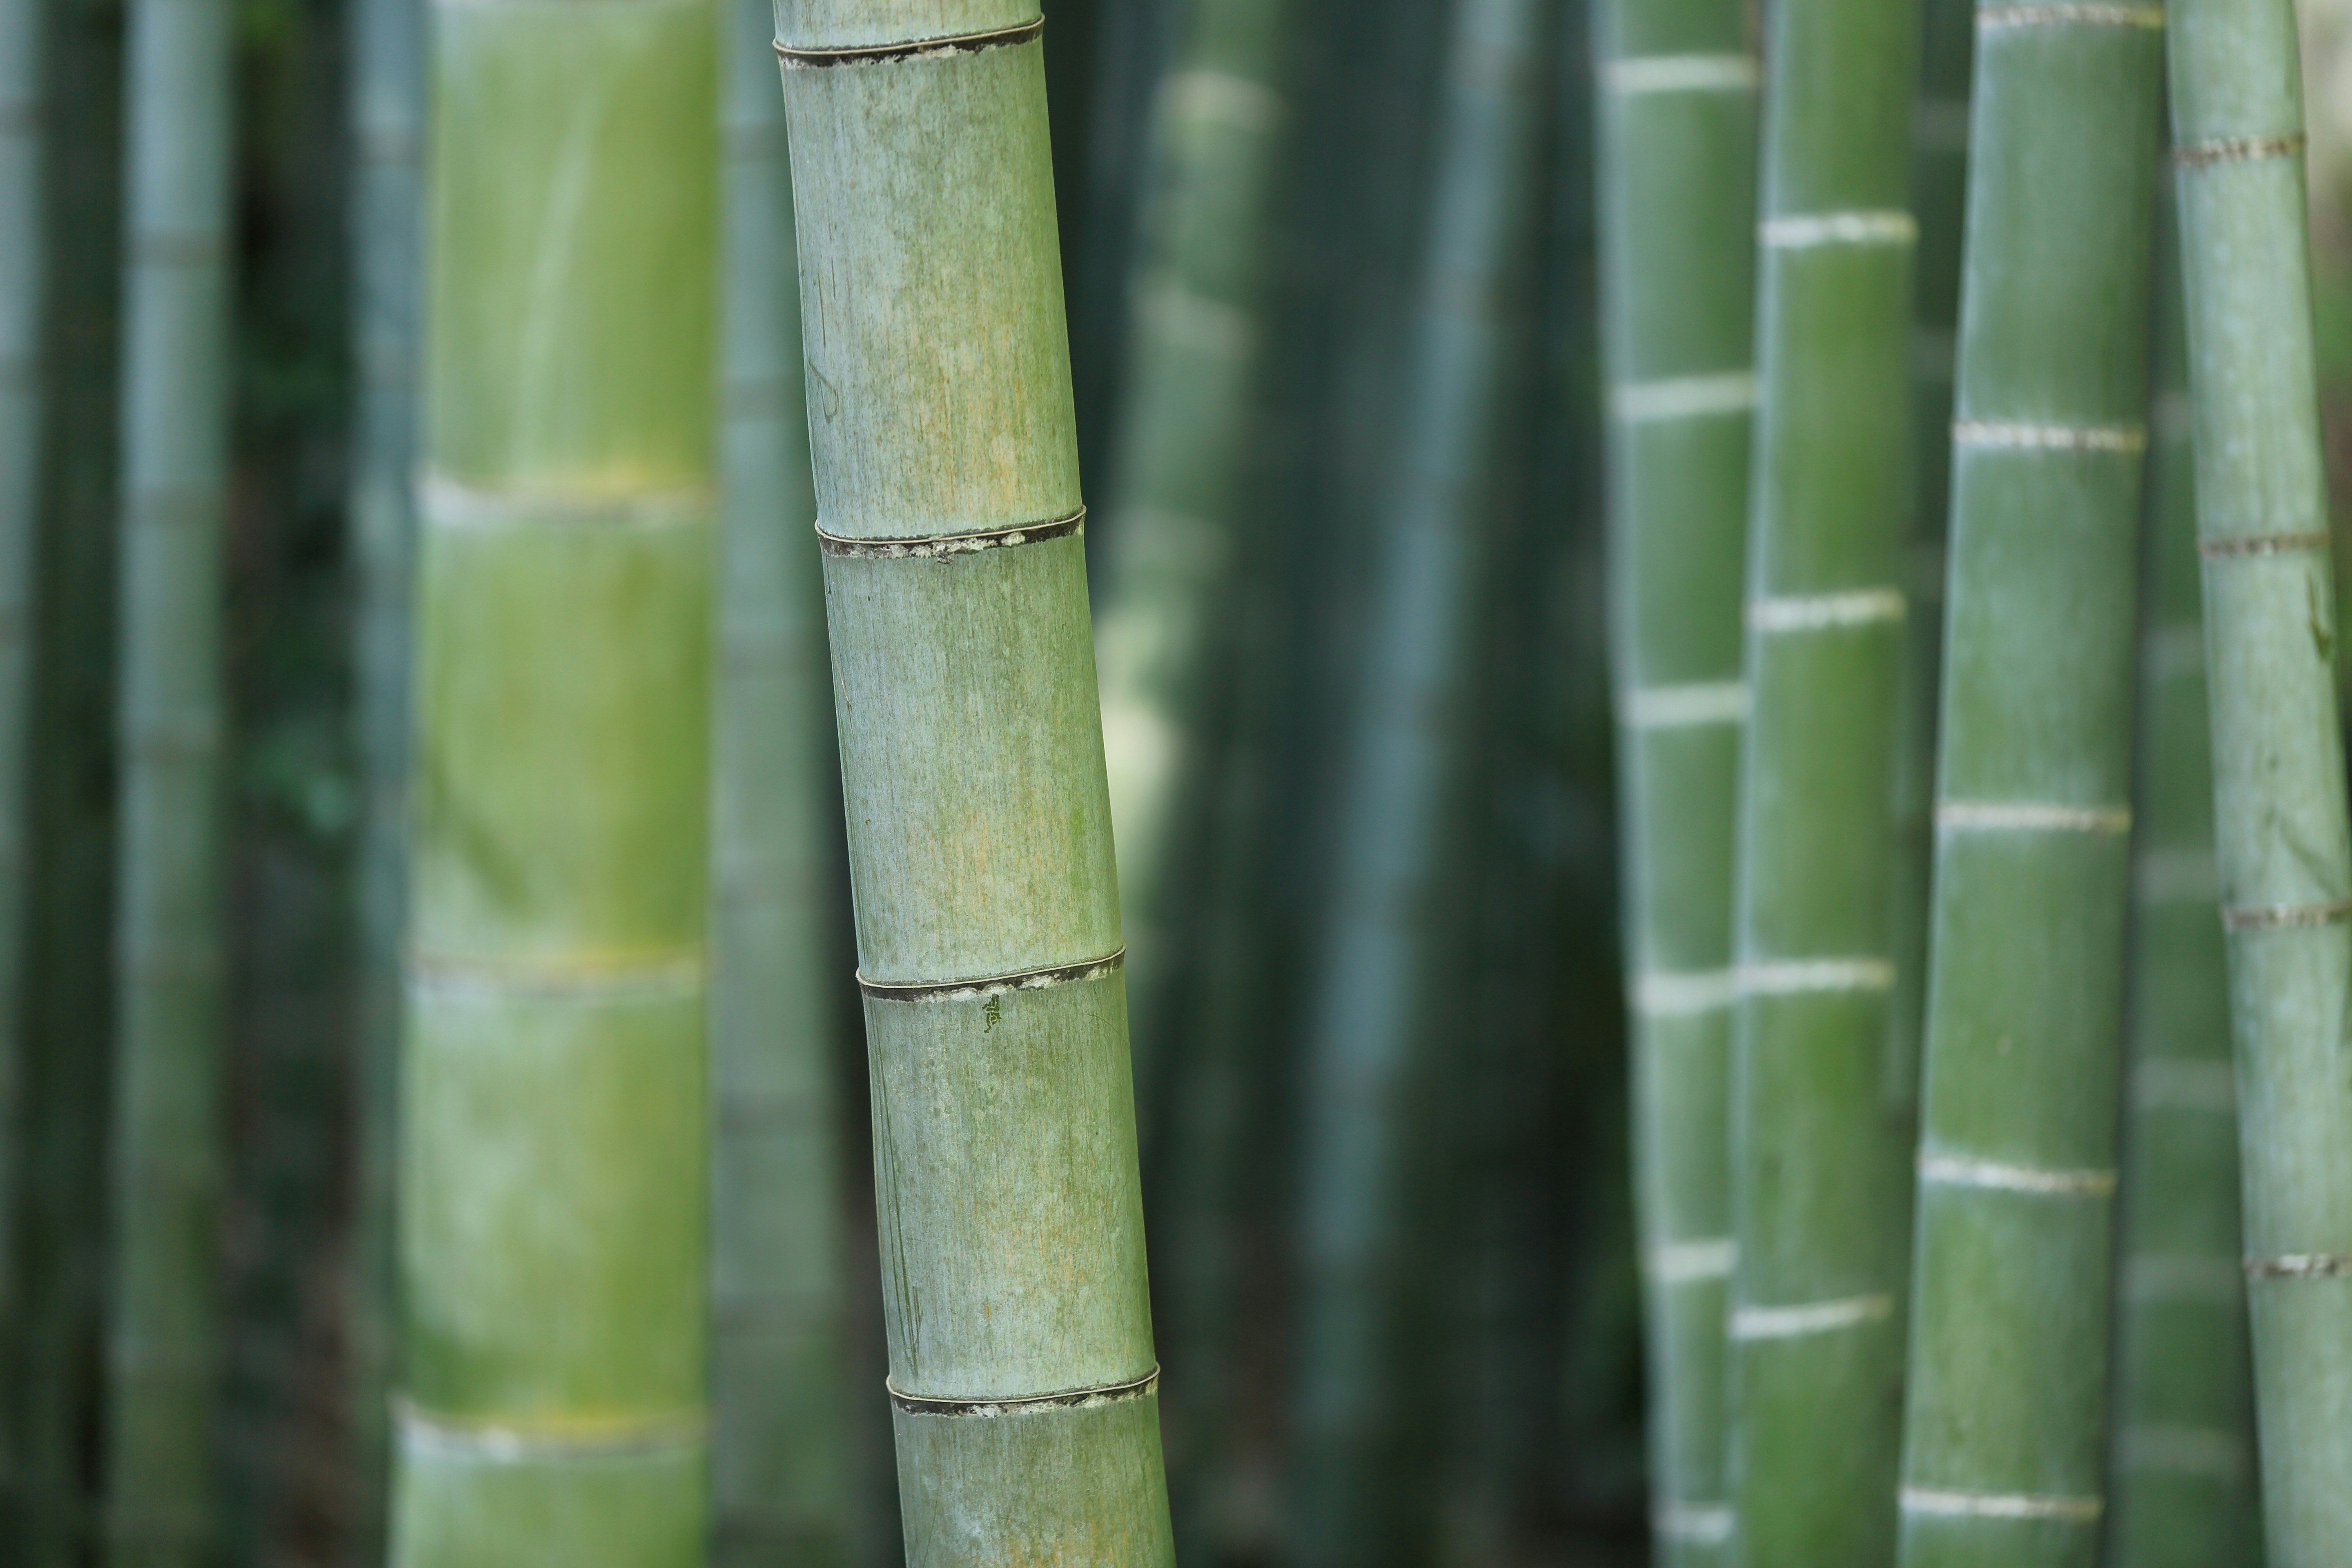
{"points": [[2280, 826], [779, 1459], [1677, 101], [1378, 985], [553, 1168], [1821, 1200], [2013, 1285], [2182, 1456], [163, 1352], [1022, 1375]]}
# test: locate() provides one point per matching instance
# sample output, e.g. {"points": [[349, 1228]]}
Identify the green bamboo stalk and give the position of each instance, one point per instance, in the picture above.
{"points": [[1819, 1198], [553, 1152], [1022, 1374], [163, 1348], [1677, 100], [1378, 984], [2181, 1466], [2278, 746], [779, 1478], [2012, 1289]]}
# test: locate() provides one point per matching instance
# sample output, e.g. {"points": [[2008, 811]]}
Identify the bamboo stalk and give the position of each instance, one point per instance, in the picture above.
{"points": [[163, 1346], [2012, 1292], [1020, 1361], [1677, 100], [2181, 1465], [780, 1476], [1377, 980], [2278, 748], [1819, 1198], [553, 1152]]}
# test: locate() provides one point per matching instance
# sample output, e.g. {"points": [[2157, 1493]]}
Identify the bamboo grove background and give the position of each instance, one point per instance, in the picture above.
{"points": [[1396, 1327]]}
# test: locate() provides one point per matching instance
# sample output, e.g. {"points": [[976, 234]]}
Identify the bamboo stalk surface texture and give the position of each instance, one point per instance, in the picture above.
{"points": [[1022, 1374], [2012, 1290], [2278, 747], [553, 1158], [1819, 1156], [1678, 103], [163, 1352]]}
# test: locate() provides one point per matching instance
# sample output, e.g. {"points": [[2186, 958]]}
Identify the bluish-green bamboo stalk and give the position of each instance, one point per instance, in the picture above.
{"points": [[1820, 1199], [554, 1161], [2013, 1282], [1377, 983], [163, 1353], [1022, 1373], [2278, 748], [780, 1447], [2180, 1463], [1677, 111]]}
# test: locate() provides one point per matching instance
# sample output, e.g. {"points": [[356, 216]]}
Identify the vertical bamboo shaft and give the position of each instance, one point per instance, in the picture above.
{"points": [[779, 1461], [1820, 1199], [2180, 1462], [1020, 1357], [2278, 750], [2012, 1285], [1677, 106], [164, 1360], [553, 1158]]}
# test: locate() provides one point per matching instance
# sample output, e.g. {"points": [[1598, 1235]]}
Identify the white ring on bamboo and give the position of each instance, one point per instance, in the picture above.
{"points": [[2072, 16], [1222, 97], [2300, 1266], [2031, 816], [1804, 231], [1663, 994], [677, 1432], [1821, 612], [1681, 706], [1702, 1523], [1687, 1262], [1803, 976], [1943, 1504], [1684, 398], [1681, 73], [2171, 1083], [444, 502], [2182, 1450], [2183, 1276], [1956, 1171], [1811, 1318], [2023, 436]]}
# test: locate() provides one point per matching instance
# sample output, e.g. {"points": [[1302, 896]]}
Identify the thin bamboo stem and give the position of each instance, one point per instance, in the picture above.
{"points": [[2277, 741]]}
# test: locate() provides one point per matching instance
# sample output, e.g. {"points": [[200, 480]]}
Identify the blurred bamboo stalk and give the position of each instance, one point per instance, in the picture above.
{"points": [[554, 1168], [2013, 1290], [2277, 742], [163, 1353], [1021, 1373], [780, 1473], [1820, 1190], [2180, 1463], [1677, 84]]}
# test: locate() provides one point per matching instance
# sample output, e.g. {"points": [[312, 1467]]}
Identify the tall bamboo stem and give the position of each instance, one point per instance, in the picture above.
{"points": [[1020, 1358], [1678, 97], [163, 1350], [2278, 747], [2002, 1451], [1818, 1171], [553, 1153], [780, 1473]]}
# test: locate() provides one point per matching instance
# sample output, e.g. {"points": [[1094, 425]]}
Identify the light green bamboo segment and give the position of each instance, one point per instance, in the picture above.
{"points": [[1677, 171], [553, 1097], [1820, 1199], [980, 847], [2180, 1459], [2278, 750], [164, 1341], [2012, 1289], [780, 1445]]}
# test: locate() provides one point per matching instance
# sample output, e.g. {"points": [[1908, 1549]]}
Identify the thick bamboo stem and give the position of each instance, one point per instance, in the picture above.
{"points": [[1676, 93], [1022, 1373], [553, 1153], [2012, 1289], [2278, 748], [1820, 1199]]}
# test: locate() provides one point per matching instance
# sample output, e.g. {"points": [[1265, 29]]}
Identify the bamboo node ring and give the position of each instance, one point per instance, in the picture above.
{"points": [[1021, 1405], [794, 56], [2236, 150], [2082, 16], [2227, 547], [944, 546], [2003, 1505], [2300, 1266], [2285, 917], [985, 987]]}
